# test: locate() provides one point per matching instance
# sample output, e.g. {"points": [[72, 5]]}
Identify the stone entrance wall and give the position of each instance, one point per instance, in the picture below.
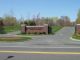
{"points": [[34, 29]]}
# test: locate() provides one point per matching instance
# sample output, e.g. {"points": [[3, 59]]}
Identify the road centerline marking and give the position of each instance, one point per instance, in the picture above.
{"points": [[39, 52]]}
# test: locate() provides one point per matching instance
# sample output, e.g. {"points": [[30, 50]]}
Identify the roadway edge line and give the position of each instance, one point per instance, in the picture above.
{"points": [[35, 47]]}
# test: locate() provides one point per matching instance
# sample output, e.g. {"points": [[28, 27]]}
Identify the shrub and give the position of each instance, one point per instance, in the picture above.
{"points": [[2, 31], [50, 29]]}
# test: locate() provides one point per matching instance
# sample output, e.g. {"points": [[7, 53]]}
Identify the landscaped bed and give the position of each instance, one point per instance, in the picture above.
{"points": [[76, 36], [14, 39]]}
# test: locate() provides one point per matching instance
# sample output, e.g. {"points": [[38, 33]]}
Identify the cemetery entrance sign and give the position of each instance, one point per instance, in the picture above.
{"points": [[34, 29]]}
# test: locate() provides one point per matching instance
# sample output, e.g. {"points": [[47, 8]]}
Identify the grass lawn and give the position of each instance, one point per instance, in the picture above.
{"points": [[11, 28], [14, 39], [56, 28], [76, 37]]}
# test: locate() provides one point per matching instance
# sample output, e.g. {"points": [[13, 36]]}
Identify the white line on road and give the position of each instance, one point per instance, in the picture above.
{"points": [[35, 47]]}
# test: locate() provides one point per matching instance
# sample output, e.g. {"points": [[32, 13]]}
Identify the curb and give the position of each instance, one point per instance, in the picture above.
{"points": [[24, 36], [74, 39]]}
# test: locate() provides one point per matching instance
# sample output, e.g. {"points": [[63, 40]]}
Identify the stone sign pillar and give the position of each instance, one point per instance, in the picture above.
{"points": [[46, 28], [23, 28], [77, 29]]}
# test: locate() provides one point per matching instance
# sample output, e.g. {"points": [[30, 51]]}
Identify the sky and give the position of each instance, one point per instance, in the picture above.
{"points": [[46, 8]]}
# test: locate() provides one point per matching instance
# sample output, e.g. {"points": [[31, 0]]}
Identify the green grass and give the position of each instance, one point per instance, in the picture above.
{"points": [[11, 28], [76, 36], [56, 28], [14, 39]]}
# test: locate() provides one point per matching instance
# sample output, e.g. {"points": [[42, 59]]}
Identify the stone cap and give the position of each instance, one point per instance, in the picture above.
{"points": [[46, 24], [77, 24], [38, 25], [23, 25]]}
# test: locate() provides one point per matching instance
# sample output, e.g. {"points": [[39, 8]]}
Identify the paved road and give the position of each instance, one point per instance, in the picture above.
{"points": [[60, 39], [45, 47], [3, 56], [39, 57]]}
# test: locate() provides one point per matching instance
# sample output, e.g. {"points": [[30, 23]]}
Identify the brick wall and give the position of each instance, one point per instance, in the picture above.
{"points": [[35, 29]]}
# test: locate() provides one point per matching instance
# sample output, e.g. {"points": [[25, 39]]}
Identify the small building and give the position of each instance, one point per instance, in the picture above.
{"points": [[34, 29], [77, 29]]}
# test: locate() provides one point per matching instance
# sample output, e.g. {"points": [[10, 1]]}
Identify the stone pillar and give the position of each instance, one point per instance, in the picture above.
{"points": [[23, 28], [46, 28], [77, 28]]}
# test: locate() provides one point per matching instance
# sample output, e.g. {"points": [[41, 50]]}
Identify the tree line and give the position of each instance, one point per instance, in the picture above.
{"points": [[11, 21], [63, 21]]}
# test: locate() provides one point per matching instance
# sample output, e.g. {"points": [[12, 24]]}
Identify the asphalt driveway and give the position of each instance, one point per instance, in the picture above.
{"points": [[61, 37]]}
